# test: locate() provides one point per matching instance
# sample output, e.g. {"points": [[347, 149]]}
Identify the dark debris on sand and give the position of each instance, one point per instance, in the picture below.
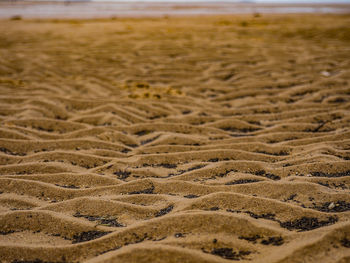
{"points": [[243, 181], [339, 206], [191, 196], [164, 211], [125, 150], [345, 242], [228, 253], [145, 191], [6, 232], [264, 216], [280, 153], [177, 235], [149, 140], [122, 175], [268, 216], [226, 172], [87, 236], [71, 186], [196, 167], [308, 223], [267, 175], [107, 221], [164, 165], [330, 175], [179, 172], [141, 133], [275, 241], [237, 130], [7, 151], [333, 185], [302, 224], [168, 165]]}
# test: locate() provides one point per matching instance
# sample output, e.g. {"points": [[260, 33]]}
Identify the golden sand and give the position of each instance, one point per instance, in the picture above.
{"points": [[203, 139]]}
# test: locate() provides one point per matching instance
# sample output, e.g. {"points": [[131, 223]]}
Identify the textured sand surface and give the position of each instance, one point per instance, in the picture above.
{"points": [[211, 139]]}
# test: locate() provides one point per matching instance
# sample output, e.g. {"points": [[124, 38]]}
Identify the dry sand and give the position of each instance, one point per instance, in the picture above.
{"points": [[205, 139]]}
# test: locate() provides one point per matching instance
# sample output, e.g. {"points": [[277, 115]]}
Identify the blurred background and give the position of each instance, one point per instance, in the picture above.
{"points": [[125, 8]]}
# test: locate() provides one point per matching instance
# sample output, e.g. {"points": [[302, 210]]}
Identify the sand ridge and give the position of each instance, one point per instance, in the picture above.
{"points": [[198, 139]]}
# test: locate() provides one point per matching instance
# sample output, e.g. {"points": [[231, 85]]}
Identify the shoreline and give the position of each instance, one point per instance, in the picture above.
{"points": [[90, 9]]}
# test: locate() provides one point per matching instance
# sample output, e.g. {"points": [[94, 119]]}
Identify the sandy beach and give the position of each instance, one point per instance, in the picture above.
{"points": [[189, 139]]}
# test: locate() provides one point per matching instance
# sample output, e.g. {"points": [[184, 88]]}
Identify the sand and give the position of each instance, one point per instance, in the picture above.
{"points": [[197, 139]]}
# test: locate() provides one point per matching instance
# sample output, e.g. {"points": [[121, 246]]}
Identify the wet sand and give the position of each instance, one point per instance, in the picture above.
{"points": [[215, 139]]}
